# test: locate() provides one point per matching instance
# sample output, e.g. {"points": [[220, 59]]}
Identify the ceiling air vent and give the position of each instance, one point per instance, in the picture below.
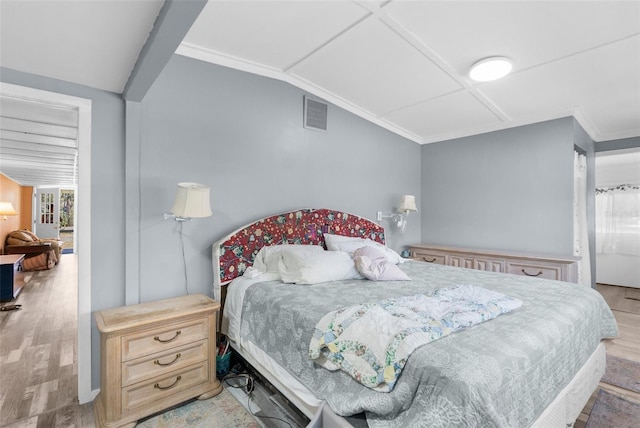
{"points": [[315, 114]]}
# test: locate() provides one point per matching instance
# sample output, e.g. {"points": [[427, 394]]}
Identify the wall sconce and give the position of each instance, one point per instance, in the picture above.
{"points": [[192, 201], [6, 209], [407, 205]]}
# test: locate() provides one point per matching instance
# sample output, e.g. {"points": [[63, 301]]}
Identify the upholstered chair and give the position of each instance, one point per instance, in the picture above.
{"points": [[39, 253]]}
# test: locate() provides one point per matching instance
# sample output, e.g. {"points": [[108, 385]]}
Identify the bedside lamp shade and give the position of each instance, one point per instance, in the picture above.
{"points": [[192, 201], [407, 204]]}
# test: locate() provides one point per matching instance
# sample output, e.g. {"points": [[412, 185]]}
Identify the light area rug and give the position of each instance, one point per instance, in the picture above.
{"points": [[623, 373], [221, 411], [611, 411]]}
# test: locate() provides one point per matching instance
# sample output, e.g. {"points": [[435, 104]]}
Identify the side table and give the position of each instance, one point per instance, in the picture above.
{"points": [[11, 276], [155, 355]]}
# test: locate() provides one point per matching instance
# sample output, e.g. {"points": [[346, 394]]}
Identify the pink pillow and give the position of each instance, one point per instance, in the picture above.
{"points": [[373, 265]]}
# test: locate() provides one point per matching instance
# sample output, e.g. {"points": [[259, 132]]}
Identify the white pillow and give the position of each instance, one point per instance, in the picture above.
{"points": [[351, 244], [312, 268], [268, 257], [373, 265]]}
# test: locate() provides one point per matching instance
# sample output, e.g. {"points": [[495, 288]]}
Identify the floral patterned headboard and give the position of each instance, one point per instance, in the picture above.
{"points": [[235, 253]]}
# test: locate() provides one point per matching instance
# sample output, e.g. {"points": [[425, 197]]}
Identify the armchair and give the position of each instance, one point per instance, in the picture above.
{"points": [[39, 253]]}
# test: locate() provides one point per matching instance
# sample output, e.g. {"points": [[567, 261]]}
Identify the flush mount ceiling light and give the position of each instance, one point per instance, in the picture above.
{"points": [[489, 69]]}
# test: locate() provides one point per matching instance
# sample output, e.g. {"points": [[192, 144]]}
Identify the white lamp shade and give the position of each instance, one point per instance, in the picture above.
{"points": [[407, 203], [6, 208], [192, 201]]}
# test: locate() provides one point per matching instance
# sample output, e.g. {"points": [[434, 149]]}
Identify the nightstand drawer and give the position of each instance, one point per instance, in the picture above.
{"points": [[163, 387], [161, 339], [158, 364], [533, 270], [426, 256]]}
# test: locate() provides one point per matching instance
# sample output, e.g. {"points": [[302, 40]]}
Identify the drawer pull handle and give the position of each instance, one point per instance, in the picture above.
{"points": [[429, 261], [168, 340], [169, 363], [157, 385], [531, 274]]}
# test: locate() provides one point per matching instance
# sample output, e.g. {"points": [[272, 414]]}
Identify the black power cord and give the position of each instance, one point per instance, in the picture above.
{"points": [[249, 386]]}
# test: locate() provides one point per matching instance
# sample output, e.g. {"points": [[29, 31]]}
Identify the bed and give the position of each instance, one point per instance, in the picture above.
{"points": [[536, 366]]}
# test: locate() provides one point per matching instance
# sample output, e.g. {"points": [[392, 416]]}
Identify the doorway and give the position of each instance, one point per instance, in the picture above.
{"points": [[46, 213], [83, 220], [618, 217]]}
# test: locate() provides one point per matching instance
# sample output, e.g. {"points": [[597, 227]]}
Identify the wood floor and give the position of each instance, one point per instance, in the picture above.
{"points": [[626, 308], [38, 351]]}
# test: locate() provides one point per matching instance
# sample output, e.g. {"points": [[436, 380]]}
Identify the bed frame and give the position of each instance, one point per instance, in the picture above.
{"points": [[234, 253]]}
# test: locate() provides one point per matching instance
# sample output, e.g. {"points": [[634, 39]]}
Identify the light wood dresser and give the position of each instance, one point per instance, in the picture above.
{"points": [[155, 355], [562, 268]]}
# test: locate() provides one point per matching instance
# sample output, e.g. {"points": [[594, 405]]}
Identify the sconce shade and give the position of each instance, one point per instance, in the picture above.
{"points": [[6, 208], [192, 201], [407, 203]]}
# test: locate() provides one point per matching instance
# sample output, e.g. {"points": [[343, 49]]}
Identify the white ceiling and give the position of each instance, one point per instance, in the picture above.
{"points": [[400, 64], [404, 64], [38, 143], [92, 43]]}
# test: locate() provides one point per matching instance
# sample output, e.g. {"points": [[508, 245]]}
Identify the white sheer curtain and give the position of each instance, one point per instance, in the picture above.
{"points": [[580, 229], [618, 220]]}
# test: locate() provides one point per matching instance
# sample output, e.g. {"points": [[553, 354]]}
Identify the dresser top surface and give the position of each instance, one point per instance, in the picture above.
{"points": [[115, 319], [497, 253], [10, 259]]}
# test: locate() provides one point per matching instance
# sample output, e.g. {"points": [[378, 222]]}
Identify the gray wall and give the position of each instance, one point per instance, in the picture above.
{"points": [[504, 190], [242, 135]]}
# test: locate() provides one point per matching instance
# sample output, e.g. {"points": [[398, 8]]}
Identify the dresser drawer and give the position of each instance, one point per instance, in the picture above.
{"points": [[155, 365], [163, 387], [163, 338], [533, 270], [488, 264], [426, 256]]}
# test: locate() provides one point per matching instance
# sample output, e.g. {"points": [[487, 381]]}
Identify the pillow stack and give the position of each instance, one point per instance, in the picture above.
{"points": [[348, 258]]}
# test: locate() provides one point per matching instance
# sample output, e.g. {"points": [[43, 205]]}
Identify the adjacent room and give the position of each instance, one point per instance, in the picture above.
{"points": [[194, 194]]}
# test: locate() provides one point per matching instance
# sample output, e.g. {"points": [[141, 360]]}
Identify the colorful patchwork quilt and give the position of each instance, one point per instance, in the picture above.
{"points": [[373, 341]]}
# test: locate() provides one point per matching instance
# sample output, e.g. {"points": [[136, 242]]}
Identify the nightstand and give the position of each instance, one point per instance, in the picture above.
{"points": [[155, 355]]}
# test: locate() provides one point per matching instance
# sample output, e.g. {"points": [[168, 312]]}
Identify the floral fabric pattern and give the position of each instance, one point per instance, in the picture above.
{"points": [[306, 226]]}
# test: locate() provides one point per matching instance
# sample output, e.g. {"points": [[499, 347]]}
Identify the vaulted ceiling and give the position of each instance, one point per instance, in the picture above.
{"points": [[400, 64]]}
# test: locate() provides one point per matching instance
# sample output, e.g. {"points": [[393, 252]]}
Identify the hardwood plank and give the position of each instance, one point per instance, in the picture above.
{"points": [[38, 355]]}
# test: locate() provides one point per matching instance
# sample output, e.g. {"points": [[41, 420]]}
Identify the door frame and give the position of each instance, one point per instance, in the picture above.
{"points": [[83, 222]]}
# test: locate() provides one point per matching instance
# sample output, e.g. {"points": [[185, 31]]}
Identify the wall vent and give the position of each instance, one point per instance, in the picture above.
{"points": [[315, 114]]}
